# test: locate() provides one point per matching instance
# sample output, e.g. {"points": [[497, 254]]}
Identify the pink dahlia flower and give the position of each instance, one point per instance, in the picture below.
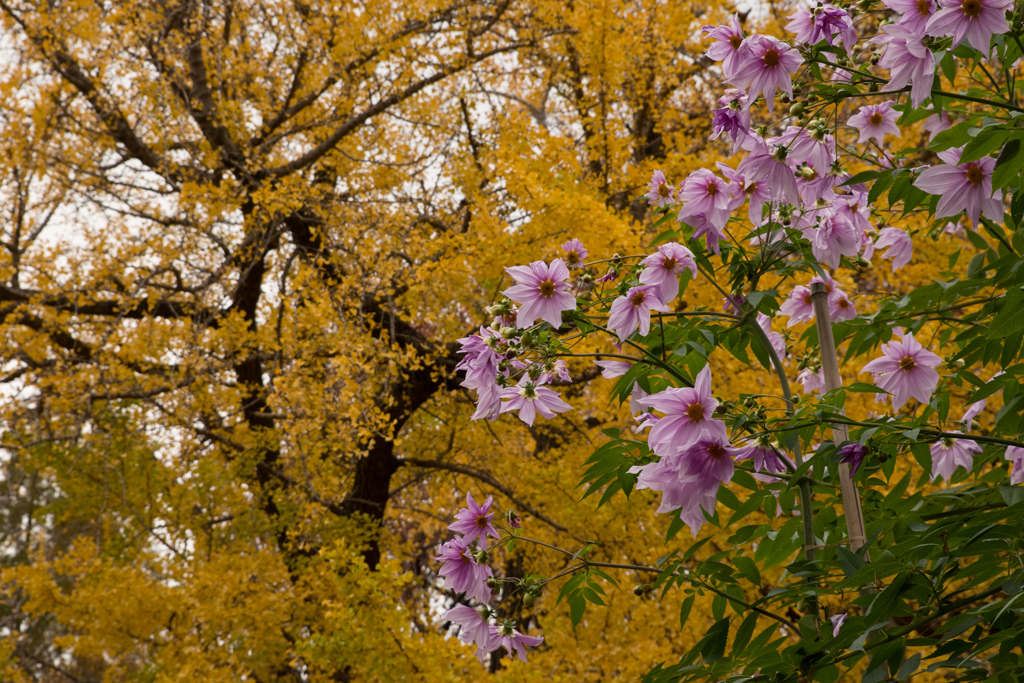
{"points": [[950, 453], [746, 190], [763, 453], [543, 292], [905, 369], [803, 147], [709, 230], [767, 66], [633, 311], [1015, 454], [475, 521], [901, 247], [610, 369], [916, 13], [874, 121], [732, 117], [530, 399], [834, 238], [664, 268], [575, 253], [962, 187], [514, 641], [975, 20], [704, 192], [831, 22], [481, 367], [727, 46], [909, 61], [689, 416], [461, 572], [769, 166], [801, 22], [972, 412], [473, 628], [840, 306], [853, 454], [798, 306], [811, 381], [776, 340], [659, 192], [936, 123]]}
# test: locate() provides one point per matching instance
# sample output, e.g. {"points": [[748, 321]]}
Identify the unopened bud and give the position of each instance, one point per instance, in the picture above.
{"points": [[873, 87], [639, 589], [492, 582], [507, 332], [529, 599], [534, 371], [956, 364], [587, 278], [882, 457], [784, 98], [511, 354], [797, 109], [795, 400], [749, 402], [975, 425], [875, 58], [496, 325], [526, 341]]}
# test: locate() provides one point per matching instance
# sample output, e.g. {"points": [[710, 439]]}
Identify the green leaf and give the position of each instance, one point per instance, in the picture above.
{"points": [[684, 610], [749, 569], [577, 605], [743, 633], [863, 177], [953, 137], [849, 561], [713, 644], [879, 187], [1008, 165], [1010, 318], [984, 143]]}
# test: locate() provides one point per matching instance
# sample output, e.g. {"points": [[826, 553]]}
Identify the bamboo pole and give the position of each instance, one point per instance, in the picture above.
{"points": [[833, 380]]}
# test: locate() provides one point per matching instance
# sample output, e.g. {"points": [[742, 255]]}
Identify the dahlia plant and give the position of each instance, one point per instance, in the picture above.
{"points": [[867, 579]]}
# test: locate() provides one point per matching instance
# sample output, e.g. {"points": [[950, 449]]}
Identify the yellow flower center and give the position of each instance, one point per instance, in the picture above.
{"points": [[975, 175], [716, 451], [664, 190], [695, 412], [669, 264], [638, 298], [712, 189], [481, 521], [876, 119], [972, 8], [924, 7], [572, 257], [843, 303], [547, 288], [771, 57], [735, 41], [907, 364]]}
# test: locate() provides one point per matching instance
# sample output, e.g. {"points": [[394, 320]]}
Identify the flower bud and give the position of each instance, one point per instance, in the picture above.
{"points": [[797, 109], [639, 589], [795, 400], [526, 340], [875, 58], [496, 325], [534, 371], [749, 402], [873, 87], [507, 332], [956, 364], [481, 556], [492, 583], [511, 354], [975, 425], [586, 278], [784, 98]]}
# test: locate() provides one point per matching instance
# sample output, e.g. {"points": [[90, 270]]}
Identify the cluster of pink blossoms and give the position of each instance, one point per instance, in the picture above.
{"points": [[466, 571]]}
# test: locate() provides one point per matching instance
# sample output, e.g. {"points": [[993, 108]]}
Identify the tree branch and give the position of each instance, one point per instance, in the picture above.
{"points": [[487, 479]]}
